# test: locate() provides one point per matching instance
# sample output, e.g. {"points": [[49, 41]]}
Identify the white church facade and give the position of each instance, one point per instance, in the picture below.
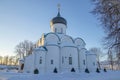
{"points": [[57, 50]]}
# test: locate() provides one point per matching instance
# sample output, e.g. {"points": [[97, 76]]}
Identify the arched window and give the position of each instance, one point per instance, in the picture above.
{"points": [[51, 61], [83, 62], [62, 59], [55, 29], [70, 60], [40, 60]]}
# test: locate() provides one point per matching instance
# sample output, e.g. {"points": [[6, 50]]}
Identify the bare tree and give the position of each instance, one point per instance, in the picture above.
{"points": [[23, 48], [110, 59], [13, 60], [108, 12]]}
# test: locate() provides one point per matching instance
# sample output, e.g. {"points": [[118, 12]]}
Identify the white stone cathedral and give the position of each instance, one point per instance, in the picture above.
{"points": [[57, 51]]}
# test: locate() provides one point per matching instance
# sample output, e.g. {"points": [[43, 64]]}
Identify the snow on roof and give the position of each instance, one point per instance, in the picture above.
{"points": [[41, 48], [67, 44]]}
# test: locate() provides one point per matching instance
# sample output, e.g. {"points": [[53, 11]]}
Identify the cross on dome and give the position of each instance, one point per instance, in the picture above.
{"points": [[58, 18], [58, 10]]}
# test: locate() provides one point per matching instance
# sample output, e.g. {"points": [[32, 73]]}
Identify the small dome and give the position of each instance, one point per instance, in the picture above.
{"points": [[58, 19]]}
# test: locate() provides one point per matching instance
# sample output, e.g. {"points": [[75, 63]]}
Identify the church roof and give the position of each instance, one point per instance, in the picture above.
{"points": [[43, 48], [58, 19]]}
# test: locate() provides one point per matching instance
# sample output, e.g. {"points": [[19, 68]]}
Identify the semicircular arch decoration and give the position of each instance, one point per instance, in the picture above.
{"points": [[52, 38], [80, 42]]}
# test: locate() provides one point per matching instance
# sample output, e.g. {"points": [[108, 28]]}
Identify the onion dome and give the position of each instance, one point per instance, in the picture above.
{"points": [[58, 19]]}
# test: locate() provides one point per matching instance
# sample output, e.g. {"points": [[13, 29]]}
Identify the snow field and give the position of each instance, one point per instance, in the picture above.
{"points": [[110, 75]]}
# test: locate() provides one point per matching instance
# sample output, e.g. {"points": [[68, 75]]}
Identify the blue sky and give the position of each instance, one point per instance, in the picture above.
{"points": [[27, 19]]}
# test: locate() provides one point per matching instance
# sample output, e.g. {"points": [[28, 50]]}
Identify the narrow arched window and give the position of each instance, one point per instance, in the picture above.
{"points": [[83, 62], [70, 60], [55, 29], [62, 59], [40, 60], [51, 61]]}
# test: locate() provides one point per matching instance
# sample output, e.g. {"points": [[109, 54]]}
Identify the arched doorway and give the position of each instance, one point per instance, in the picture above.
{"points": [[22, 66]]}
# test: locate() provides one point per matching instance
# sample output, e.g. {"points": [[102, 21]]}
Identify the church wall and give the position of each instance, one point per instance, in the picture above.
{"points": [[67, 40], [29, 64], [42, 40], [82, 59], [58, 28], [66, 63], [92, 65], [52, 58], [39, 58], [51, 38]]}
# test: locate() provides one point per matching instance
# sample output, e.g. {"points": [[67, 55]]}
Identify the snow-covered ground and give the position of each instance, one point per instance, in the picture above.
{"points": [[109, 75]]}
